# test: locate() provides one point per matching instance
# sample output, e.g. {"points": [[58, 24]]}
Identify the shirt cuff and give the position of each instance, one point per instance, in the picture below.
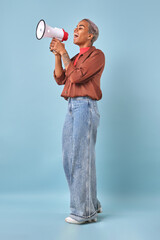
{"points": [[61, 78]]}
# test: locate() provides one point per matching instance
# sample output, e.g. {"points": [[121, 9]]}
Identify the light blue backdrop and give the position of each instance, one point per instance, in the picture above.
{"points": [[32, 112]]}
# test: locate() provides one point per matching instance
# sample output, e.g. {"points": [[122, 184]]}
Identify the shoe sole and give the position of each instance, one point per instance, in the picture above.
{"points": [[76, 222], [92, 220]]}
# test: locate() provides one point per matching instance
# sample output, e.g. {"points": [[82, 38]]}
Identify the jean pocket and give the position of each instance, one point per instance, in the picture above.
{"points": [[94, 108]]}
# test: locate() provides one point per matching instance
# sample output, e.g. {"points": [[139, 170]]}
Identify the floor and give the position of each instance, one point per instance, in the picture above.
{"points": [[40, 216]]}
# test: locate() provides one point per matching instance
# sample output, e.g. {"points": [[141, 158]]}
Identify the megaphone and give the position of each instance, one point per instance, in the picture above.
{"points": [[43, 31]]}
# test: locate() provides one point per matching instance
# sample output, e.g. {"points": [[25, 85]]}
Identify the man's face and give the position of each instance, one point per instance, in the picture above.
{"points": [[81, 35]]}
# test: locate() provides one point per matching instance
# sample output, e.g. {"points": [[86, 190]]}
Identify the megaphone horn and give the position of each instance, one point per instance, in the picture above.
{"points": [[43, 30]]}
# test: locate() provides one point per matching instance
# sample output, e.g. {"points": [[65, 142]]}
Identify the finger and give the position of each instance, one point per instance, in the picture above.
{"points": [[54, 52], [51, 45], [56, 40], [53, 40]]}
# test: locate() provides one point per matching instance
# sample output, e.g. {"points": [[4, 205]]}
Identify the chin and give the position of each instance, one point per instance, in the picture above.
{"points": [[75, 42]]}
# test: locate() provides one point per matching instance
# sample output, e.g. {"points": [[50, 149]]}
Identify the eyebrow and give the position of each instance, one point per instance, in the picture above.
{"points": [[80, 25]]}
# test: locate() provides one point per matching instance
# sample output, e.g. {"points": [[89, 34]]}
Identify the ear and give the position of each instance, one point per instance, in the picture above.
{"points": [[90, 36]]}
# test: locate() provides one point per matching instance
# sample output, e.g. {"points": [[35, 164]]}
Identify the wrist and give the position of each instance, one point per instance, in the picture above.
{"points": [[58, 56], [63, 51]]}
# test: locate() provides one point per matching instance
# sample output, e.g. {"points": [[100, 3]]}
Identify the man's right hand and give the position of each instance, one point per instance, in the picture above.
{"points": [[52, 50]]}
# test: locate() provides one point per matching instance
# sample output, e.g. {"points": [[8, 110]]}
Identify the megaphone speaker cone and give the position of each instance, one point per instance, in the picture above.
{"points": [[40, 29]]}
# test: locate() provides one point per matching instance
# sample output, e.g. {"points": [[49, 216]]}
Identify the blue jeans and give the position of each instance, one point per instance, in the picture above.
{"points": [[78, 151]]}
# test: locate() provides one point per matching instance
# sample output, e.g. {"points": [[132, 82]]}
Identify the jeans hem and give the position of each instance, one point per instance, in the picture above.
{"points": [[77, 217]]}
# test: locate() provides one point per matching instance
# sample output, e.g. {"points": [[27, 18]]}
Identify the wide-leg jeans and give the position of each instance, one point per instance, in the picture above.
{"points": [[78, 151]]}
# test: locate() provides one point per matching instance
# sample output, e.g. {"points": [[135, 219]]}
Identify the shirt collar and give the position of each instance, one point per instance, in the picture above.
{"points": [[91, 49], [83, 50]]}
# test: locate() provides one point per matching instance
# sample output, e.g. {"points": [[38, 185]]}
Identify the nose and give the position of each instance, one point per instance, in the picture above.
{"points": [[75, 30]]}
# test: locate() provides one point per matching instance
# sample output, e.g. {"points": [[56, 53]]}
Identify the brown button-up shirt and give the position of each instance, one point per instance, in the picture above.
{"points": [[84, 78]]}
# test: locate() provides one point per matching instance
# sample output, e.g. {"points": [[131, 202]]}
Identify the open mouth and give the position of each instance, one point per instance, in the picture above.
{"points": [[75, 35]]}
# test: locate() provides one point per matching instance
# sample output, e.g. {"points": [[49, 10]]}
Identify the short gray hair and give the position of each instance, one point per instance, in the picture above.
{"points": [[93, 29]]}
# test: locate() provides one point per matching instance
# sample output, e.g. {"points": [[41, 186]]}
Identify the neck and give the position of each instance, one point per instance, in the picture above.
{"points": [[85, 45], [83, 48]]}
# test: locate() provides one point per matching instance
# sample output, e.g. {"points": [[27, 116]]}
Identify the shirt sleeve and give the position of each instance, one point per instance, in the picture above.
{"points": [[92, 65], [62, 79]]}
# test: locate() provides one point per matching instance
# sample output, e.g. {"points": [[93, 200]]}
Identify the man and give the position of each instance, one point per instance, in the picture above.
{"points": [[81, 80]]}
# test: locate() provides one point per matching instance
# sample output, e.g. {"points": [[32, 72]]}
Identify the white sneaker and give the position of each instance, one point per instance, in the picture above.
{"points": [[71, 220]]}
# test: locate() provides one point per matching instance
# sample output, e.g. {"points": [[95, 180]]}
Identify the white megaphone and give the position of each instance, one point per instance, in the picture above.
{"points": [[43, 30]]}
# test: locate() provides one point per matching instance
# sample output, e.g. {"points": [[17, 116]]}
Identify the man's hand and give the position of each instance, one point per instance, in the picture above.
{"points": [[57, 47]]}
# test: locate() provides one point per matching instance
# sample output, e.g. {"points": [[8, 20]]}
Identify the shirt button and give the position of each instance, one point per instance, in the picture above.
{"points": [[65, 91]]}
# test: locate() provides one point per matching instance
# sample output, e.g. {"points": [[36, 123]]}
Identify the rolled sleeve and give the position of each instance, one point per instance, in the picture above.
{"points": [[60, 80], [92, 65]]}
